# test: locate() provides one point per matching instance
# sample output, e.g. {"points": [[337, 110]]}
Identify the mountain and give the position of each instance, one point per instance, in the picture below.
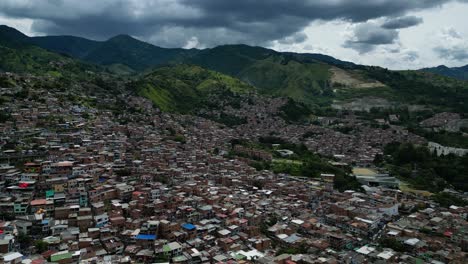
{"points": [[454, 72], [25, 58], [270, 71], [70, 45], [136, 54], [316, 80], [126, 50], [303, 76], [9, 36], [121, 49]]}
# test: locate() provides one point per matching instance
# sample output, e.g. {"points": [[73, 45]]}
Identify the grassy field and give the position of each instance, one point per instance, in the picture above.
{"points": [[287, 161], [405, 187], [364, 172]]}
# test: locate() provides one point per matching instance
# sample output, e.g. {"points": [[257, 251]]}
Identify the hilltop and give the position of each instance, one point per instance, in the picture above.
{"points": [[454, 72]]}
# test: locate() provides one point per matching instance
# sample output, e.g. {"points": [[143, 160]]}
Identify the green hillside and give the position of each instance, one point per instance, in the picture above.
{"points": [[277, 76], [271, 72], [34, 60], [313, 79], [230, 59], [424, 88], [184, 88]]}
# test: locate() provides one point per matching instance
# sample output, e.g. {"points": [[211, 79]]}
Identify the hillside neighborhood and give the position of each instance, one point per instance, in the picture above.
{"points": [[85, 184]]}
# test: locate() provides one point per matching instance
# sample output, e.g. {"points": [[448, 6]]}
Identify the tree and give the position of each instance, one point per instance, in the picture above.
{"points": [[24, 240], [378, 159], [5, 216], [393, 244], [446, 200], [41, 246], [5, 117]]}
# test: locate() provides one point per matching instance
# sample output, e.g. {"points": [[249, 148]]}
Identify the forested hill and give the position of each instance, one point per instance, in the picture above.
{"points": [[313, 79]]}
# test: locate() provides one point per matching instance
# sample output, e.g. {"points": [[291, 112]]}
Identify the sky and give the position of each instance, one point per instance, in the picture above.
{"points": [[396, 34]]}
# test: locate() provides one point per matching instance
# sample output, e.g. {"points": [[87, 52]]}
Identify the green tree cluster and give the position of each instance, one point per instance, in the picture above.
{"points": [[425, 170]]}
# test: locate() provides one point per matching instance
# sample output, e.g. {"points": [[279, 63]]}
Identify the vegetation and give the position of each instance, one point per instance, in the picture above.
{"points": [[281, 75], [177, 138], [5, 117], [302, 163], [446, 199], [392, 243], [422, 88], [460, 73], [305, 78], [424, 170], [5, 216], [24, 240], [270, 221], [34, 60], [5, 81], [344, 182], [41, 246], [446, 138], [228, 119], [184, 88], [301, 249], [294, 111]]}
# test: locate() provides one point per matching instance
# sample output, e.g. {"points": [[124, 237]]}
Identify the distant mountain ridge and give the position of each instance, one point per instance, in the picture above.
{"points": [[303, 76], [139, 55], [316, 80], [460, 73]]}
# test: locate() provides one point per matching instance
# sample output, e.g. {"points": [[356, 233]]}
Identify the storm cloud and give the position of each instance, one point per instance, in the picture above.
{"points": [[366, 36], [402, 22], [175, 23]]}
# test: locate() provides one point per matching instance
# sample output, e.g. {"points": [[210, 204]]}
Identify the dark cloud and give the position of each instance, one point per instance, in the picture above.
{"points": [[367, 36], [402, 22], [296, 38], [211, 22]]}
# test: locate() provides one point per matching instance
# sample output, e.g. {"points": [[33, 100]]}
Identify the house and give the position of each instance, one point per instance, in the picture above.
{"points": [[172, 249], [11, 258], [7, 243]]}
